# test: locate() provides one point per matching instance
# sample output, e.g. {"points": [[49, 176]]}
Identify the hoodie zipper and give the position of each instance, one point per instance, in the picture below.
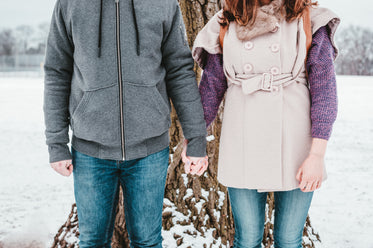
{"points": [[120, 76]]}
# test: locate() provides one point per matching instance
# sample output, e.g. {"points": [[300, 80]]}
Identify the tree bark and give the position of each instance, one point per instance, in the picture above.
{"points": [[184, 192]]}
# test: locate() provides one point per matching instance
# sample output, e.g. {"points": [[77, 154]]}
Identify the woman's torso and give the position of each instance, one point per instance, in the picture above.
{"points": [[266, 133]]}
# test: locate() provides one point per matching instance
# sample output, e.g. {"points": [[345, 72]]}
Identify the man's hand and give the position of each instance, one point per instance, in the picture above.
{"points": [[193, 165], [64, 167]]}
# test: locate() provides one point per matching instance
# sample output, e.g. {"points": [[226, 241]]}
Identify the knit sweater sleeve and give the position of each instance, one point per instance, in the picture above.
{"points": [[212, 86], [322, 81]]}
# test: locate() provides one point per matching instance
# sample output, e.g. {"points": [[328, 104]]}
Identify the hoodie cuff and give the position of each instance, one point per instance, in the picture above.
{"points": [[58, 152], [196, 147]]}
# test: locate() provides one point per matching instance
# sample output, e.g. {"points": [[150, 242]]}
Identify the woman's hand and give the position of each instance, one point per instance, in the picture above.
{"points": [[310, 174], [193, 165], [64, 167]]}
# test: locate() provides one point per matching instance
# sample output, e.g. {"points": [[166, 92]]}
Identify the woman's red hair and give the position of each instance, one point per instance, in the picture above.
{"points": [[244, 11]]}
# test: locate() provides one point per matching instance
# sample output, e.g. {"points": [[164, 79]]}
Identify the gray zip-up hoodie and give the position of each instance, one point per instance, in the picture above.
{"points": [[110, 68]]}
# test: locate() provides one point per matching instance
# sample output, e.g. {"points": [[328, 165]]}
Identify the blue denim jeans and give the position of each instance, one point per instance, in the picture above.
{"points": [[96, 186], [248, 208]]}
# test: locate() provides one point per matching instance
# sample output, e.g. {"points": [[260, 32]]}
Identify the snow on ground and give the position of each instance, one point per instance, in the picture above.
{"points": [[35, 200], [194, 237], [342, 210]]}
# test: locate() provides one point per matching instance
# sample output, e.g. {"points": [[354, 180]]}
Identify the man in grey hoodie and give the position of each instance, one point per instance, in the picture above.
{"points": [[110, 68]]}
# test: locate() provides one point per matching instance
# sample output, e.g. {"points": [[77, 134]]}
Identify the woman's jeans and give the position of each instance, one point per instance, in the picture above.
{"points": [[96, 186], [248, 207]]}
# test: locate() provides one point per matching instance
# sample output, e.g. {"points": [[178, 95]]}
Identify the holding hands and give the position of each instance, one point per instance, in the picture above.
{"points": [[193, 165]]}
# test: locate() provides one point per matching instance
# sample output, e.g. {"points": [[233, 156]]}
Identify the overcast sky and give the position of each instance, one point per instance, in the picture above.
{"points": [[33, 12]]}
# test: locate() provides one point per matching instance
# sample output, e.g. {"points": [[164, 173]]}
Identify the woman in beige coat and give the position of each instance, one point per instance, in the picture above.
{"points": [[277, 116]]}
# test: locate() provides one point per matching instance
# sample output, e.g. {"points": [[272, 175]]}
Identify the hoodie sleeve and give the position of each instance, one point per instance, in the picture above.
{"points": [[58, 71], [181, 84]]}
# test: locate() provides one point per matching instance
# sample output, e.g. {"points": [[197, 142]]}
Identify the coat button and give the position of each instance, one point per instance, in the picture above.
{"points": [[275, 70], [275, 47], [277, 26], [248, 68], [249, 45]]}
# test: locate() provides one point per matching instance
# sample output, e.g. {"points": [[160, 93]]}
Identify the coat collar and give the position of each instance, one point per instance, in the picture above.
{"points": [[267, 20]]}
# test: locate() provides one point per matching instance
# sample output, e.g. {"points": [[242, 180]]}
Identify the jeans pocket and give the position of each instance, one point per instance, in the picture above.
{"points": [[96, 117]]}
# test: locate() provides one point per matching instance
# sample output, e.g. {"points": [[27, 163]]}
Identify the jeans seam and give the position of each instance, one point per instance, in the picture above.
{"points": [[113, 208]]}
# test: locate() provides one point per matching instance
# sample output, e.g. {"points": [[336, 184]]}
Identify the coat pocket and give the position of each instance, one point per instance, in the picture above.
{"points": [[96, 117], [147, 112]]}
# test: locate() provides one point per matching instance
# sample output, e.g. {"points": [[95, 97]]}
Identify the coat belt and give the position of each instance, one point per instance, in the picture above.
{"points": [[265, 82]]}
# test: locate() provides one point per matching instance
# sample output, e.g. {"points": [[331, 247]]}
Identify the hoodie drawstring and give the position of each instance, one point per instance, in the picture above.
{"points": [[136, 29], [100, 31]]}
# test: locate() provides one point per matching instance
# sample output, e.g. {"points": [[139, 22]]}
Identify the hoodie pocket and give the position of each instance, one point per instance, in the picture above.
{"points": [[147, 112], [96, 117]]}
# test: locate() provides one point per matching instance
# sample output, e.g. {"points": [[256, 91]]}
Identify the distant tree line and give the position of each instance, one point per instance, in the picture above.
{"points": [[355, 51], [23, 48], [24, 39], [355, 46]]}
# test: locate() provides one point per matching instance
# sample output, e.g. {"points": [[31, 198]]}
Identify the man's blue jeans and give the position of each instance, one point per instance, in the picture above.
{"points": [[96, 186], [248, 208]]}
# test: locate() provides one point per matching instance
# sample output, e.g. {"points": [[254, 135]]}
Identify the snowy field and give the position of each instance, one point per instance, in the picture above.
{"points": [[35, 200]]}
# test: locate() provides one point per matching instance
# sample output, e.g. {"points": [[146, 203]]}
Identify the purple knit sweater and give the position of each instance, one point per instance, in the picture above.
{"points": [[321, 77]]}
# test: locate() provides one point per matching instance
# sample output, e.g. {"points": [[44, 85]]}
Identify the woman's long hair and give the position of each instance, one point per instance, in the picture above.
{"points": [[244, 11]]}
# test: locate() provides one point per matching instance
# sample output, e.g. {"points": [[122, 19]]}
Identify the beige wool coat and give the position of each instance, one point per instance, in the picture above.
{"points": [[266, 130]]}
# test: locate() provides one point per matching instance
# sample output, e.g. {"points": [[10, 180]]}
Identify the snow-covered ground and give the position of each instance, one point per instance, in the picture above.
{"points": [[342, 210], [35, 201]]}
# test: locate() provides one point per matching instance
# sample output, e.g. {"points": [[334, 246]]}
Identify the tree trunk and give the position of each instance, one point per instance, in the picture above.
{"points": [[202, 201]]}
